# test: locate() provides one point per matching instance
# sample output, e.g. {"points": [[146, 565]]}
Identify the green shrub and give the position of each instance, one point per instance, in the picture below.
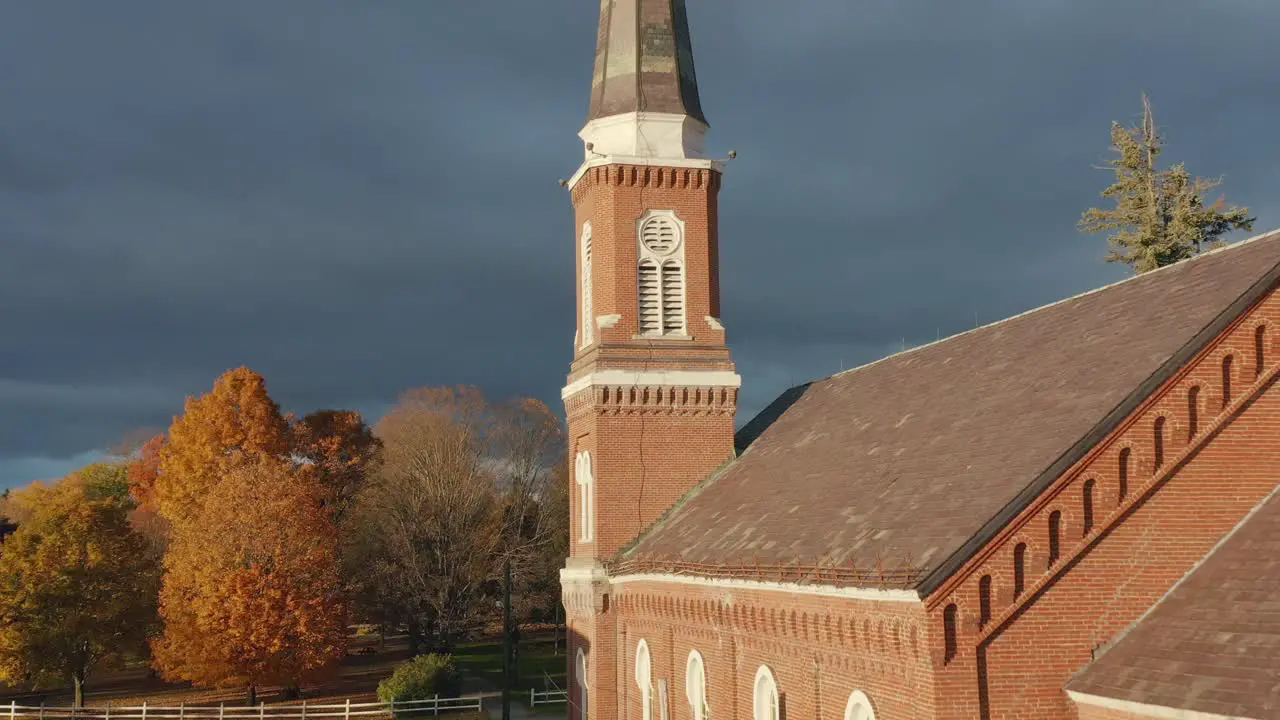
{"points": [[421, 678]]}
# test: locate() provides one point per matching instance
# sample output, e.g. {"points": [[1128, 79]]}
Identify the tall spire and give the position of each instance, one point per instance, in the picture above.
{"points": [[644, 64]]}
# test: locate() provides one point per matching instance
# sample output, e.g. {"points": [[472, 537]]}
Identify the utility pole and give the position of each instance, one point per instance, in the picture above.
{"points": [[507, 654]]}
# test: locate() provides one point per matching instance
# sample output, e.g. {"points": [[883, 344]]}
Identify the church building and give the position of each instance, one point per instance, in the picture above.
{"points": [[1068, 514]]}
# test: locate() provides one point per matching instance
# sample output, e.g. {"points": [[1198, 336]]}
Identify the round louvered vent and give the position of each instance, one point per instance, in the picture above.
{"points": [[659, 235]]}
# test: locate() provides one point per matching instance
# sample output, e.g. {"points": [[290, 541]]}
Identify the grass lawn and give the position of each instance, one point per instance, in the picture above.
{"points": [[540, 666]]}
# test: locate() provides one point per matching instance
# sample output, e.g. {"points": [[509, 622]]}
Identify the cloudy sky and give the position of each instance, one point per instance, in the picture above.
{"points": [[358, 198]]}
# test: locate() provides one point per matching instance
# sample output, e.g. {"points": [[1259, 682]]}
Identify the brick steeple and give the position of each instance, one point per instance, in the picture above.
{"points": [[651, 394]]}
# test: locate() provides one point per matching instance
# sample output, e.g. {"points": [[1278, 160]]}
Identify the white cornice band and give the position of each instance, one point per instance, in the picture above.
{"points": [[677, 378], [597, 574], [884, 595], [1151, 711]]}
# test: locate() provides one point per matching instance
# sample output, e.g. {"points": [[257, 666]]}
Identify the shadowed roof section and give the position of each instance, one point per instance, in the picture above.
{"points": [[908, 465], [1212, 644], [644, 60]]}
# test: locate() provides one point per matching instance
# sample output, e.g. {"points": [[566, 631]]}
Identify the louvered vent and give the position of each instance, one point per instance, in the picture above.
{"points": [[650, 298], [659, 235], [672, 297]]}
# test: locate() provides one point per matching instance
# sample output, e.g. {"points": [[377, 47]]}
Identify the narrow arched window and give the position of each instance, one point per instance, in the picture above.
{"points": [[1055, 533], [764, 696], [1123, 483], [949, 633], [580, 670], [1087, 502], [695, 685], [662, 275], [586, 496], [644, 680], [1226, 380], [1193, 412], [984, 601], [859, 707], [588, 319], [1157, 442], [1259, 350], [1019, 569]]}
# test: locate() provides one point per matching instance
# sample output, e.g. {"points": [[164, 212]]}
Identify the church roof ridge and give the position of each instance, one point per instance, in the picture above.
{"points": [[1030, 311]]}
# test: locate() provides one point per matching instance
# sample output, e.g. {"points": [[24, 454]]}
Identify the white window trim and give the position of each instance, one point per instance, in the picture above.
{"points": [[677, 256], [699, 703], [861, 704], [582, 684], [584, 475], [762, 688], [588, 322], [644, 679]]}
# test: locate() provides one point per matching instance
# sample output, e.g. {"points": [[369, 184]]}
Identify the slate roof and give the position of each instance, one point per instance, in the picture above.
{"points": [[1212, 644], [911, 463], [644, 60]]}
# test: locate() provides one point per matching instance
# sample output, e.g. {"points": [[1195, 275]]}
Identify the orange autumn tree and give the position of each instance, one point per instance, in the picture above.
{"points": [[343, 450], [144, 470], [235, 421], [252, 593]]}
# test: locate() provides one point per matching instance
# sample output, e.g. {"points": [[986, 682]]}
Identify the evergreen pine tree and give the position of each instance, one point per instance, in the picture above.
{"points": [[1160, 216]]}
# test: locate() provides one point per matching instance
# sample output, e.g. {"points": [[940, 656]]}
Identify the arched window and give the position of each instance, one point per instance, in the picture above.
{"points": [[1055, 533], [1157, 445], [588, 321], [695, 685], [1226, 380], [580, 670], [1124, 475], [1193, 412], [859, 707], [1087, 502], [984, 601], [644, 680], [949, 633], [1019, 569], [764, 696], [1259, 350], [586, 495], [661, 275]]}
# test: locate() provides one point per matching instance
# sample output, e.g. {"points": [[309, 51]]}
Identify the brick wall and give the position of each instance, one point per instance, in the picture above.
{"points": [[819, 648]]}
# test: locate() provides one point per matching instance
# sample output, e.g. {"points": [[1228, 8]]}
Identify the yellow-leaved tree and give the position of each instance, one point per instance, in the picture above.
{"points": [[252, 593], [77, 583]]}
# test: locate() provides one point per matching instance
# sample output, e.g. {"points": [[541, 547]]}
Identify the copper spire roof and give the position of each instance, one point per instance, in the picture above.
{"points": [[644, 60]]}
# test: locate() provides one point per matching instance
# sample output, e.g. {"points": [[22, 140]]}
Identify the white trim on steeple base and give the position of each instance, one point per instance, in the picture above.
{"points": [[644, 138], [668, 136], [635, 378]]}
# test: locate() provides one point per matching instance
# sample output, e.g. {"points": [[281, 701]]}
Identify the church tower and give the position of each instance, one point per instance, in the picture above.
{"points": [[651, 392]]}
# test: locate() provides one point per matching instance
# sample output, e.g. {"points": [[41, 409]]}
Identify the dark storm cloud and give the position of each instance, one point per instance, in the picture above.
{"points": [[356, 199]]}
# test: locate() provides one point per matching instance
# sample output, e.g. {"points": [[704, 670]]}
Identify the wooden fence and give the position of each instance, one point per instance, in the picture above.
{"points": [[303, 711], [547, 697]]}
